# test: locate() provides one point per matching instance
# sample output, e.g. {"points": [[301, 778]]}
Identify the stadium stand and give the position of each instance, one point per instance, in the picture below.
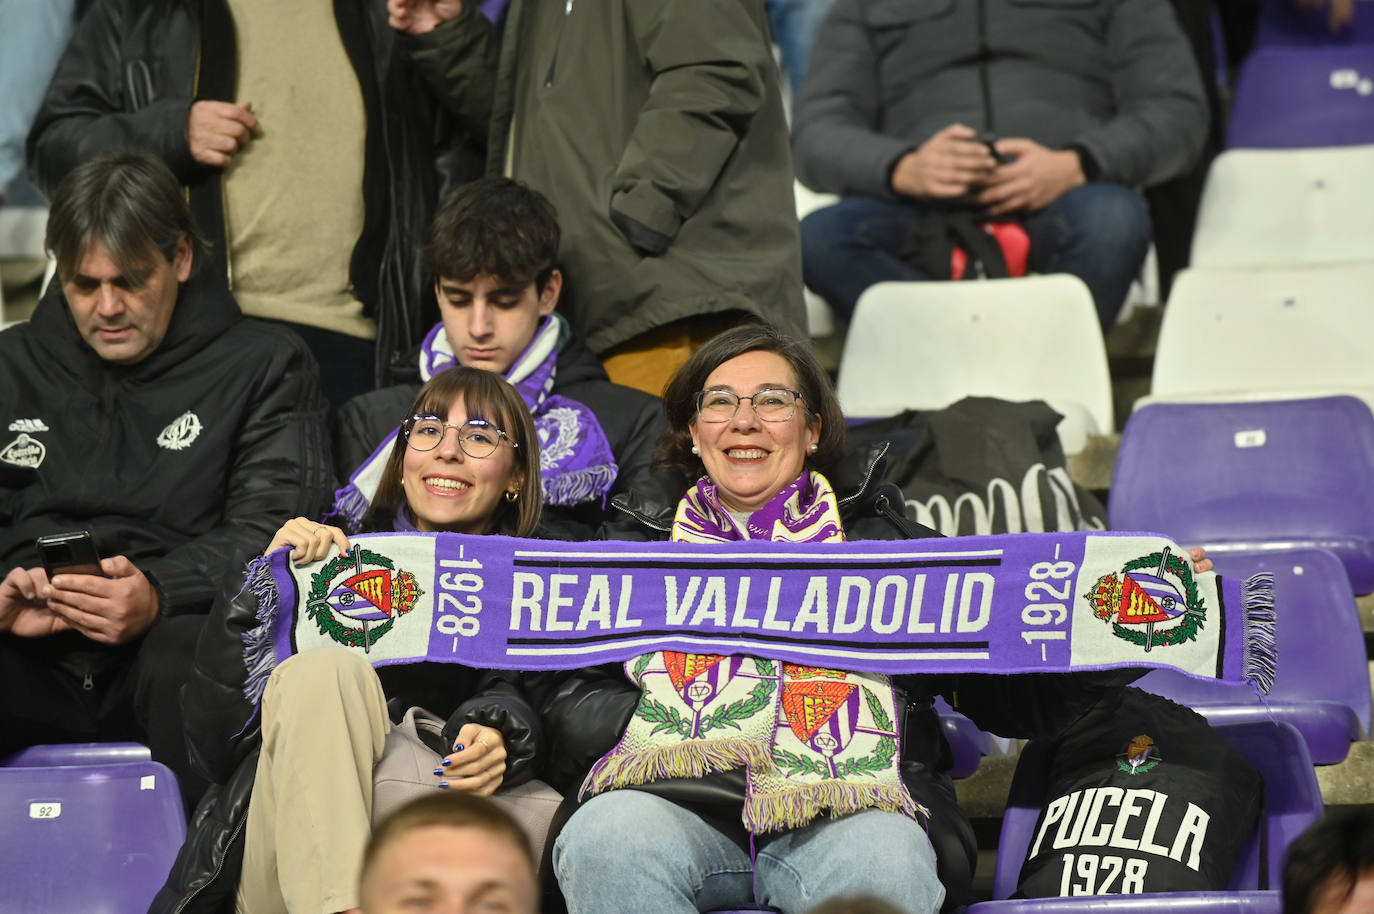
{"points": [[1304, 97], [1322, 682], [925, 345], [1242, 476], [1286, 207], [1292, 802]]}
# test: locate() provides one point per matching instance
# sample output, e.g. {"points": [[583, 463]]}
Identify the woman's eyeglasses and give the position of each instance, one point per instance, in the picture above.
{"points": [[477, 437], [775, 404]]}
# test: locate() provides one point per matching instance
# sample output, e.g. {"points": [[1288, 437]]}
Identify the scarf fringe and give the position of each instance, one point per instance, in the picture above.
{"points": [[350, 504], [578, 486], [794, 807], [259, 653], [679, 760], [1259, 652]]}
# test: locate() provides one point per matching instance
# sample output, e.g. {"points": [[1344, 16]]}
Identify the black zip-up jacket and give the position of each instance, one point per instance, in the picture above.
{"points": [[586, 711], [185, 462], [133, 69], [631, 419], [223, 736]]}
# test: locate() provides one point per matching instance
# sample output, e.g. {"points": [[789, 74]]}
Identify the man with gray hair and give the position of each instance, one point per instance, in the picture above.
{"points": [[139, 405]]}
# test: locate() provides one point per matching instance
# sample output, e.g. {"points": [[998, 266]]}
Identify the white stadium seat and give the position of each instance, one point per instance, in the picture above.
{"points": [[925, 345], [1266, 334], [1287, 207]]}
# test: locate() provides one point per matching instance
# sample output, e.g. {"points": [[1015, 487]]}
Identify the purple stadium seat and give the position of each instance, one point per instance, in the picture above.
{"points": [[58, 754], [88, 838], [1253, 475], [1322, 686], [1292, 802], [1283, 23], [1303, 97], [1174, 903], [967, 743]]}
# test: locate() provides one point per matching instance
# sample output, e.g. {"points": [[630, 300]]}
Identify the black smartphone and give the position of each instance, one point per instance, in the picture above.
{"points": [[989, 140], [69, 553]]}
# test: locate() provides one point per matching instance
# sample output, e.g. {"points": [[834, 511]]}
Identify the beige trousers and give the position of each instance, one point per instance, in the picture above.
{"points": [[331, 765]]}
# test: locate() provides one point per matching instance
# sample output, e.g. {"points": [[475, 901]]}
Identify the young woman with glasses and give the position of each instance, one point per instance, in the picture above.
{"points": [[464, 460]]}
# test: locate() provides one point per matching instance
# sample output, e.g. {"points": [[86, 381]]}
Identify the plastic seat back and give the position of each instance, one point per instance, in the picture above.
{"points": [[88, 837], [1242, 334], [1322, 681], [1276, 208], [925, 345], [1296, 97], [1243, 476]]}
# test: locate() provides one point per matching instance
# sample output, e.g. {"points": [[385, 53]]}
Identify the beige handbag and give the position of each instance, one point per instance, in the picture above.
{"points": [[406, 771]]}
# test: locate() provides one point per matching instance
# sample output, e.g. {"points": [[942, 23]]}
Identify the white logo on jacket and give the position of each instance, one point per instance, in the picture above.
{"points": [[25, 452], [183, 431], [29, 425]]}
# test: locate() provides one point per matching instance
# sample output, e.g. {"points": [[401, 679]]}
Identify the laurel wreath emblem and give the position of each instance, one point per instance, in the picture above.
{"points": [[317, 606]]}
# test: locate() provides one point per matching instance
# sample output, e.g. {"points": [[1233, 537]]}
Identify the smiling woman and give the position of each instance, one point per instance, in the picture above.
{"points": [[466, 460]]}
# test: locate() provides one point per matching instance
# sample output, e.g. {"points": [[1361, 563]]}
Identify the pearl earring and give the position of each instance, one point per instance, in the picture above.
{"points": [[696, 450], [813, 449]]}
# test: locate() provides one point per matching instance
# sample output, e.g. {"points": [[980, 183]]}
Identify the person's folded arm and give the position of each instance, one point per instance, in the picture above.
{"points": [[710, 67]]}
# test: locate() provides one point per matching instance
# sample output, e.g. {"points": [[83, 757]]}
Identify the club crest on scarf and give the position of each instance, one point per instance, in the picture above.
{"points": [[717, 693], [361, 587], [1153, 603]]}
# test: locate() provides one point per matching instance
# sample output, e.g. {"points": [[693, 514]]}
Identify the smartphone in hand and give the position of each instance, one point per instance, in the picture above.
{"points": [[69, 553], [989, 139]]}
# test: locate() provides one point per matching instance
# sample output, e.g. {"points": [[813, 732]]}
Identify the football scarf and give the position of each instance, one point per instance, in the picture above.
{"points": [[810, 738]]}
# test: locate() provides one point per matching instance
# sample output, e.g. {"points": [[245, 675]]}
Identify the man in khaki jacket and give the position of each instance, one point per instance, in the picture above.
{"points": [[656, 128]]}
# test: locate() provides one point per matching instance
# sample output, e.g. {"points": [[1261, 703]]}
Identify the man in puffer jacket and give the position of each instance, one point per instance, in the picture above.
{"points": [[1048, 112]]}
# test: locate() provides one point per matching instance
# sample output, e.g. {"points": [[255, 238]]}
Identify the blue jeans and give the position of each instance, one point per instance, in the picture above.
{"points": [[1099, 232], [794, 24], [627, 851], [31, 44]]}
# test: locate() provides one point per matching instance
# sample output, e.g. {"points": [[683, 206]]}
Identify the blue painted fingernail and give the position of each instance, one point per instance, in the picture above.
{"points": [[443, 785], [457, 747], [438, 771], [445, 763]]}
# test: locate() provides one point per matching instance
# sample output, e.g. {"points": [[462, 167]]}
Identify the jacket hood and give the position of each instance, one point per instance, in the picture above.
{"points": [[204, 310]]}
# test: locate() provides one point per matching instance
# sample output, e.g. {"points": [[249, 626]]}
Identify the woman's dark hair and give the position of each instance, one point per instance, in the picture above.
{"points": [[486, 395], [131, 203], [680, 396]]}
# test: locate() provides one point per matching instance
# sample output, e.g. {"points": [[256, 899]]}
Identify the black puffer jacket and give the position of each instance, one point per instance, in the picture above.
{"points": [[134, 67], [184, 462], [586, 711], [223, 735], [631, 419]]}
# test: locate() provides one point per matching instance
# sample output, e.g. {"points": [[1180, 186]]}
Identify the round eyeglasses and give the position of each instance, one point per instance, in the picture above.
{"points": [[774, 404], [477, 437]]}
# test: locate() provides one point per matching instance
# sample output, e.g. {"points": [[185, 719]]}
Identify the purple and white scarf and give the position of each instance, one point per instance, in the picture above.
{"points": [[811, 738], [576, 464]]}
